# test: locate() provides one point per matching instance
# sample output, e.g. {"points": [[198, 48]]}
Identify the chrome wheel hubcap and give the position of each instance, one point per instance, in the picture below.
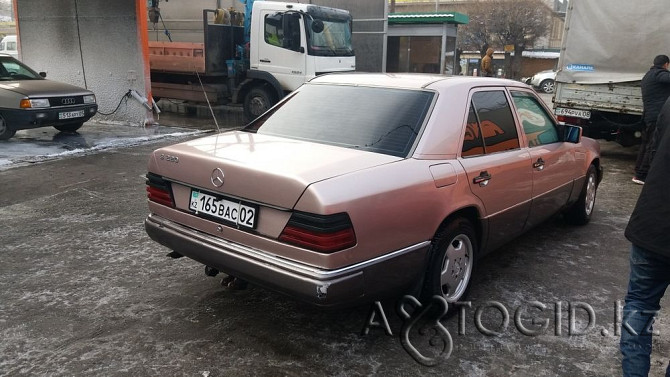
{"points": [[456, 268], [590, 194]]}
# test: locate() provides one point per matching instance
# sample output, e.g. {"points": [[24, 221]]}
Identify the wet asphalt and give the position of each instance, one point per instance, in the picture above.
{"points": [[85, 292]]}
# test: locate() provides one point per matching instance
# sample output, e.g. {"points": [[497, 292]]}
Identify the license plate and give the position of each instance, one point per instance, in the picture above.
{"points": [[233, 211], [584, 114], [71, 114]]}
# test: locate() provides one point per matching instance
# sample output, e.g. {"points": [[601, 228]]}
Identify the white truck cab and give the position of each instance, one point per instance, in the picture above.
{"points": [[296, 42]]}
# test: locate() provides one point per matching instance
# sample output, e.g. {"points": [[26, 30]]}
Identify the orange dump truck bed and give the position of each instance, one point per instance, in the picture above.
{"points": [[182, 57]]}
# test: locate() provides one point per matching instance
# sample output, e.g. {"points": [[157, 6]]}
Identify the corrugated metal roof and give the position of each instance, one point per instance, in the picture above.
{"points": [[428, 18]]}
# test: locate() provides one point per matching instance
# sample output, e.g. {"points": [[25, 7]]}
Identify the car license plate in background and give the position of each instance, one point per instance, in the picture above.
{"points": [[584, 114], [232, 211], [71, 114]]}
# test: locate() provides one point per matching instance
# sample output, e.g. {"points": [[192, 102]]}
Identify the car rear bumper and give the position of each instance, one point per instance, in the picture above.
{"points": [[21, 119], [390, 275]]}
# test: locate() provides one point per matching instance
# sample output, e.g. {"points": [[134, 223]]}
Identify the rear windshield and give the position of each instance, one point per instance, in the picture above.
{"points": [[380, 120]]}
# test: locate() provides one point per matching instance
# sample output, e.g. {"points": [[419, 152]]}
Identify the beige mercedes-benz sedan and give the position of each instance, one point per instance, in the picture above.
{"points": [[359, 187]]}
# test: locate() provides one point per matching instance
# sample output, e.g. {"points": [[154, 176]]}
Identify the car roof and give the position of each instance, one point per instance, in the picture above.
{"points": [[411, 80]]}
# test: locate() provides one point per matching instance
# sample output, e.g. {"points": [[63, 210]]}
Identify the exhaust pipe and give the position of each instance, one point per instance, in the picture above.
{"points": [[211, 271]]}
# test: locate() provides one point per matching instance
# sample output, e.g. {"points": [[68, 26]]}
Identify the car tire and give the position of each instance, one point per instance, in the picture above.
{"points": [[5, 132], [547, 86], [452, 258], [72, 127], [257, 101], [580, 212]]}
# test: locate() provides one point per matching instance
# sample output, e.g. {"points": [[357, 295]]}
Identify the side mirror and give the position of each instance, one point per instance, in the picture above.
{"points": [[43, 74], [573, 134], [317, 26]]}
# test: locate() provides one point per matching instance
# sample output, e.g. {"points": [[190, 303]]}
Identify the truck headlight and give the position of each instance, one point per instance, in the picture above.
{"points": [[37, 102], [89, 98]]}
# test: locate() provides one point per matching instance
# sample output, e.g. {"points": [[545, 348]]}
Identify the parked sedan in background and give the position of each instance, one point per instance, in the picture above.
{"points": [[359, 187], [28, 100], [544, 80]]}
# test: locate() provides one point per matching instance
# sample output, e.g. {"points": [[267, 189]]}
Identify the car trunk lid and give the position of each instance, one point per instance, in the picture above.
{"points": [[260, 168]]}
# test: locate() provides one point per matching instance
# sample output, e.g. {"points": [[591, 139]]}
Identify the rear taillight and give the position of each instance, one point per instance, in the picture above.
{"points": [[571, 120], [159, 190], [325, 234]]}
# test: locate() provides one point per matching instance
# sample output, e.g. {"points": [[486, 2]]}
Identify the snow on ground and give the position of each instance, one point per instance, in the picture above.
{"points": [[44, 144]]}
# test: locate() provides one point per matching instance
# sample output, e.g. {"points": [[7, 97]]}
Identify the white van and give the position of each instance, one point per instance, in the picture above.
{"points": [[8, 45]]}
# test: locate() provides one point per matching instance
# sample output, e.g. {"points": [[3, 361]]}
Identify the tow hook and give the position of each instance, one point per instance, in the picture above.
{"points": [[211, 271]]}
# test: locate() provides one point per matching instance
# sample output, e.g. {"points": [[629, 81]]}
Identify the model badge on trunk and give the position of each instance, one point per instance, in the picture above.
{"points": [[217, 177]]}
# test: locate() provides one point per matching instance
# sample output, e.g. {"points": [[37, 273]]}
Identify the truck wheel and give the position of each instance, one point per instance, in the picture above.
{"points": [[5, 132], [626, 138], [72, 127], [257, 101], [547, 86]]}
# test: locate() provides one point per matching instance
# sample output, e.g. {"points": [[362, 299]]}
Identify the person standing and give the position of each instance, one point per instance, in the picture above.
{"points": [[655, 90], [649, 232], [487, 63]]}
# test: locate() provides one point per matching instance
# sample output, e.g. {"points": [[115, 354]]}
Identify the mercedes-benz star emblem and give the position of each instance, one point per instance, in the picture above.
{"points": [[217, 177]]}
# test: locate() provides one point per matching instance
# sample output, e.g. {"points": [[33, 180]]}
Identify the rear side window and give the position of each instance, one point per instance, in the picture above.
{"points": [[490, 127], [380, 120], [473, 144]]}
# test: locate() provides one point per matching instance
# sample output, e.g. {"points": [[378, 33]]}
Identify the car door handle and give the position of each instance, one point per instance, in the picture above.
{"points": [[265, 61], [539, 164], [482, 179]]}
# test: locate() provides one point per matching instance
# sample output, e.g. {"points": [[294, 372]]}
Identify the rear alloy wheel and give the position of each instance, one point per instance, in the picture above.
{"points": [[72, 127], [580, 212], [5, 132], [258, 101], [452, 261], [547, 86]]}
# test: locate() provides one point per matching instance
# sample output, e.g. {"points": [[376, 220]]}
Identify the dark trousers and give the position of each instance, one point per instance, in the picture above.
{"points": [[646, 151], [649, 279]]}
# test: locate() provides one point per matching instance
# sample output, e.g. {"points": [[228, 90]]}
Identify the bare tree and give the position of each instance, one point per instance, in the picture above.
{"points": [[506, 22]]}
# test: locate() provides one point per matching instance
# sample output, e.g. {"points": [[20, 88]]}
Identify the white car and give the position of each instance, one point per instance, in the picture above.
{"points": [[8, 46], [544, 80]]}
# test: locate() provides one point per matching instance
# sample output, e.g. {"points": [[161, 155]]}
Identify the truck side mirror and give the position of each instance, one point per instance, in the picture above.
{"points": [[317, 26]]}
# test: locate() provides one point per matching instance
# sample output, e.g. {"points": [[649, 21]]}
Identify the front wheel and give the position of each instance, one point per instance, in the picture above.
{"points": [[452, 261], [580, 212], [257, 101], [5, 132], [547, 86], [72, 127]]}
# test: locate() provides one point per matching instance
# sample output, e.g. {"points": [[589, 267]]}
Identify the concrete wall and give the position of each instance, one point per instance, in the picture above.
{"points": [[183, 19], [90, 43]]}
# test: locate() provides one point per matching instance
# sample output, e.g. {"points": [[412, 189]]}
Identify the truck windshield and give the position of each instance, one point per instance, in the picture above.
{"points": [[334, 40], [380, 120]]}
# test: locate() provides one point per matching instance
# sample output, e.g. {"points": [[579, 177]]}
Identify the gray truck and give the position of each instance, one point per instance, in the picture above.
{"points": [[607, 47]]}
